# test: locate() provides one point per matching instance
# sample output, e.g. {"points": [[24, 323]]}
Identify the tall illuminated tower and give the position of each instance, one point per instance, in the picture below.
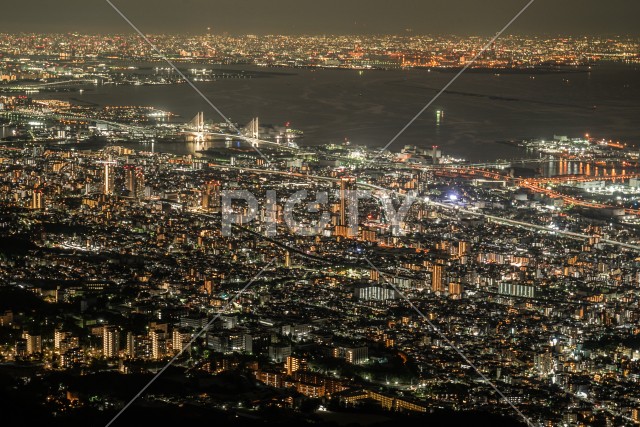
{"points": [[436, 277], [108, 176], [346, 184], [134, 181]]}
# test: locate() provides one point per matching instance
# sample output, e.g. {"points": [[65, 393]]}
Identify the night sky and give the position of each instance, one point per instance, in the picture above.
{"points": [[482, 17]]}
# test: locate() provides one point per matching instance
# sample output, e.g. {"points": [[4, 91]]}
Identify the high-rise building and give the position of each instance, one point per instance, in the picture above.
{"points": [[436, 277], [247, 343], [139, 187], [134, 181], [544, 363], [158, 344], [233, 341], [33, 343], [455, 289], [357, 355], [38, 199], [279, 352], [138, 346], [353, 355], [130, 348], [462, 248], [292, 365], [181, 339], [211, 196], [64, 341], [346, 184], [110, 341], [58, 337], [130, 179], [71, 357], [108, 177]]}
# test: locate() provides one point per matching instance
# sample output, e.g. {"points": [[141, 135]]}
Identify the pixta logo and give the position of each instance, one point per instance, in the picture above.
{"points": [[306, 213]]}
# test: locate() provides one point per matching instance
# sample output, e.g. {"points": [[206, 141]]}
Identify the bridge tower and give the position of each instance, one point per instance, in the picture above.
{"points": [[197, 123], [252, 130]]}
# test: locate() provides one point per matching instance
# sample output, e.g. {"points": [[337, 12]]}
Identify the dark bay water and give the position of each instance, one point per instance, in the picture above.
{"points": [[370, 107]]}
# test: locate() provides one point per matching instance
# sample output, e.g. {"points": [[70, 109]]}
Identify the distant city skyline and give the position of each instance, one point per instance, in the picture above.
{"points": [[466, 17], [361, 212]]}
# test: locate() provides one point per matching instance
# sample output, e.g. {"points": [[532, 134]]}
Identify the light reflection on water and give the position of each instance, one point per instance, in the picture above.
{"points": [[370, 108]]}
